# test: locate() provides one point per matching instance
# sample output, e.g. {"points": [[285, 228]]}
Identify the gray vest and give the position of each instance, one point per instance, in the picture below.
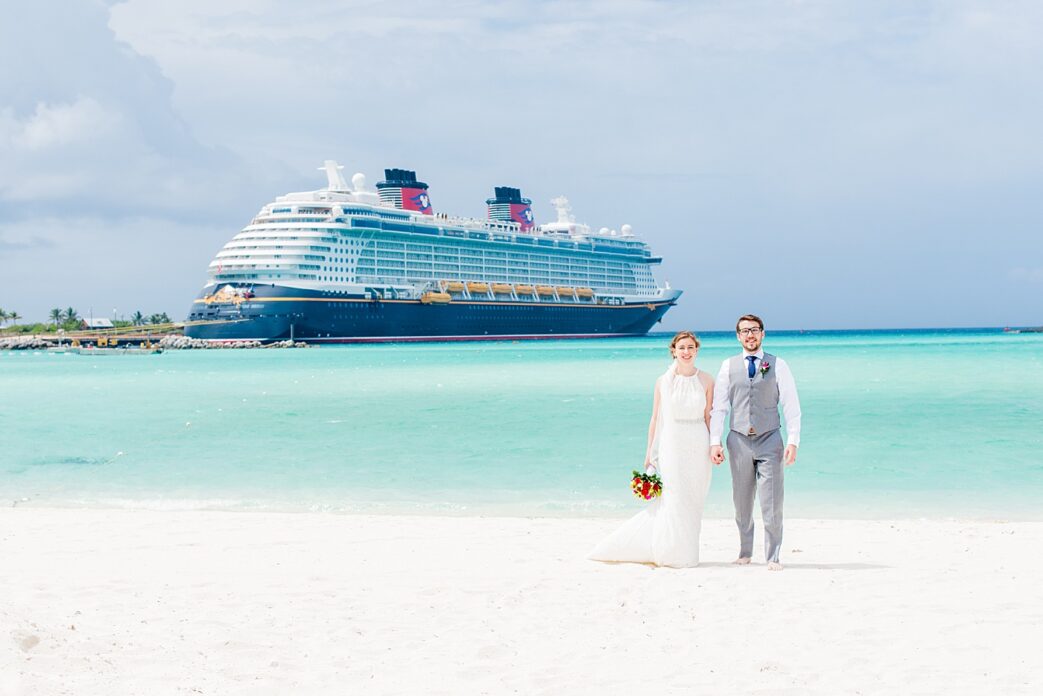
{"points": [[755, 402]]}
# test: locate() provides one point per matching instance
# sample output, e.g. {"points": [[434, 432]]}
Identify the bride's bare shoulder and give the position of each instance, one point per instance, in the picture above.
{"points": [[705, 379]]}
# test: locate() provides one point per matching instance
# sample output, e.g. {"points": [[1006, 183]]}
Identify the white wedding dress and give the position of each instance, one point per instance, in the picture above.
{"points": [[666, 532]]}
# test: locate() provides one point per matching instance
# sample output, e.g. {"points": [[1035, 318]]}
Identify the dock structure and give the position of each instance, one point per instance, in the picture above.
{"points": [[144, 337]]}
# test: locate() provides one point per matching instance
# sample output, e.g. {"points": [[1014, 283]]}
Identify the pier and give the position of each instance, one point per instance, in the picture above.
{"points": [[128, 340]]}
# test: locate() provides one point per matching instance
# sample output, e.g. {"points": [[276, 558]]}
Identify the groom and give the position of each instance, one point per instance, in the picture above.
{"points": [[752, 386]]}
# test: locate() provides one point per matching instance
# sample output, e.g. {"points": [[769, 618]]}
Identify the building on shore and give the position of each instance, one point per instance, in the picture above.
{"points": [[96, 323]]}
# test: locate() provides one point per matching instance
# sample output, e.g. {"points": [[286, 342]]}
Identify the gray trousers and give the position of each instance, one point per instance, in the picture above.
{"points": [[756, 463]]}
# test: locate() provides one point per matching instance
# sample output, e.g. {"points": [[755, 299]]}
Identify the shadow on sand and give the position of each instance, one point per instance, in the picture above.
{"points": [[800, 566]]}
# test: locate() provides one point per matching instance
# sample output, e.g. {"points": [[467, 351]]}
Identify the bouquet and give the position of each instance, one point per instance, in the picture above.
{"points": [[646, 485]]}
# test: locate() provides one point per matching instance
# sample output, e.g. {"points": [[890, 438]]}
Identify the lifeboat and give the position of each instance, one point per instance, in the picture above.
{"points": [[566, 292], [477, 287], [501, 288], [523, 289], [585, 292], [545, 290], [454, 286], [435, 298]]}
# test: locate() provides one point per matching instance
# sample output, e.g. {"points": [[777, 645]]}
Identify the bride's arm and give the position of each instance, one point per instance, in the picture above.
{"points": [[708, 385], [652, 425]]}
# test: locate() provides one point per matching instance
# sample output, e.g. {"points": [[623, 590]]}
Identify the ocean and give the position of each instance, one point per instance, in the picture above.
{"points": [[903, 423]]}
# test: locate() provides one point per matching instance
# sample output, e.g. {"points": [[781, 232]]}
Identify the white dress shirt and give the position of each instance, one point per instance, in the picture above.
{"points": [[787, 399]]}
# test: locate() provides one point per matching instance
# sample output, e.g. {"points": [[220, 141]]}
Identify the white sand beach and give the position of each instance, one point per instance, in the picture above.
{"points": [[147, 602]]}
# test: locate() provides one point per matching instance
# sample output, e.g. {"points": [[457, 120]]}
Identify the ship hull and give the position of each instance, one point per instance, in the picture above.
{"points": [[275, 313]]}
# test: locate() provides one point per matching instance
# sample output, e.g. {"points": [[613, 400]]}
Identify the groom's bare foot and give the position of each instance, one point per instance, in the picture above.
{"points": [[741, 560], [774, 565]]}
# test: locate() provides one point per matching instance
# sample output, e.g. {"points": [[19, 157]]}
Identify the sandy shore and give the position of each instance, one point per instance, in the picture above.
{"points": [[143, 602]]}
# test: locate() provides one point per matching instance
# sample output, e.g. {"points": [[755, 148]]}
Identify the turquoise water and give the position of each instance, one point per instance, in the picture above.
{"points": [[916, 423]]}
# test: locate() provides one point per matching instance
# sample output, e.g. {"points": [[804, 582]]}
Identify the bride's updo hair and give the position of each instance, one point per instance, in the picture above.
{"points": [[681, 335]]}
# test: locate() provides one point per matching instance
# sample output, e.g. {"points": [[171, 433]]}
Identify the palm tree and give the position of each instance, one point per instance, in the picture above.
{"points": [[138, 318], [71, 315], [56, 316], [3, 316], [14, 317]]}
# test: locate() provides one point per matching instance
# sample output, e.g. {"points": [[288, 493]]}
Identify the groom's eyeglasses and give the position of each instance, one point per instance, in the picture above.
{"points": [[749, 332]]}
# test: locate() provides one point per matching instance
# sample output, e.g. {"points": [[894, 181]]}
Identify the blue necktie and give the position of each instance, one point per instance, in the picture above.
{"points": [[751, 358]]}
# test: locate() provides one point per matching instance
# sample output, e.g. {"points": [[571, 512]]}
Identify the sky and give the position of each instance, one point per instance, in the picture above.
{"points": [[821, 164]]}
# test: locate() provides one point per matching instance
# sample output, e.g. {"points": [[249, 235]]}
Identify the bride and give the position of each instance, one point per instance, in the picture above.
{"points": [[666, 532]]}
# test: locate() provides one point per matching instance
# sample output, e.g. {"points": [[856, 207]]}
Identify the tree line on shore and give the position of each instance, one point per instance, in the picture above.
{"points": [[70, 320]]}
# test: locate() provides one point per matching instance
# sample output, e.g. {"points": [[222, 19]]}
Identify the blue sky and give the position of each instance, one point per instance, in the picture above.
{"points": [[823, 164]]}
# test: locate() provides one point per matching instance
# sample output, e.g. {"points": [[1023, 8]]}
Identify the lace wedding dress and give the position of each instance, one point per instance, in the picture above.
{"points": [[666, 532]]}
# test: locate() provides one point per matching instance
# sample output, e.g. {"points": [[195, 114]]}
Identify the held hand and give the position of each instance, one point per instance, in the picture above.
{"points": [[790, 455], [716, 454]]}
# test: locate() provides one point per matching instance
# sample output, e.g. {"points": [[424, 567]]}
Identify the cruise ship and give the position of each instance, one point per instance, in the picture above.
{"points": [[349, 264]]}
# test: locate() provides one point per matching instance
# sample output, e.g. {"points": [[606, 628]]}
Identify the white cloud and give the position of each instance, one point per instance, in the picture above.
{"points": [[54, 151], [56, 125], [92, 129]]}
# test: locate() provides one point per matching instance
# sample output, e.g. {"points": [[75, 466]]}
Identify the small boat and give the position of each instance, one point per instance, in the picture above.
{"points": [[478, 287], [436, 298], [585, 292], [501, 288], [454, 286], [89, 350], [545, 290]]}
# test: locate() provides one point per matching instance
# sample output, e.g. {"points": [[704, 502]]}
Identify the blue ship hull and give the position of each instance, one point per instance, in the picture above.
{"points": [[275, 313]]}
